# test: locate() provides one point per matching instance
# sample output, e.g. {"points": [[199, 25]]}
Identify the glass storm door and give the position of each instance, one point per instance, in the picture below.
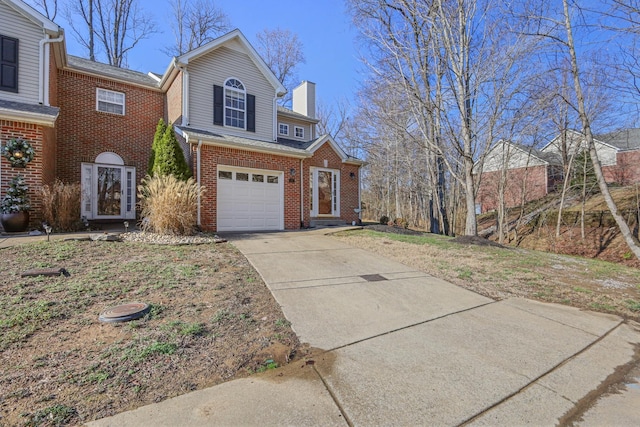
{"points": [[108, 191], [324, 193]]}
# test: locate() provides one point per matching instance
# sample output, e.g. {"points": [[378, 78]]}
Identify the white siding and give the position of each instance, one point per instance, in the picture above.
{"points": [[576, 144], [213, 69], [308, 135], [606, 154], [13, 24], [512, 156]]}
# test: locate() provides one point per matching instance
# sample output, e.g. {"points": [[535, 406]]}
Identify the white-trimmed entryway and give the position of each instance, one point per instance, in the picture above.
{"points": [[249, 199], [108, 188], [324, 186]]}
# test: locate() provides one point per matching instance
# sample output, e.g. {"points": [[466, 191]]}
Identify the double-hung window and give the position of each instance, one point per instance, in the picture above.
{"points": [[299, 132], [283, 129], [234, 103], [109, 101]]}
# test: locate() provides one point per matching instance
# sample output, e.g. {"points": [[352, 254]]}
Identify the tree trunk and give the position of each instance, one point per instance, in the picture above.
{"points": [[586, 125]]}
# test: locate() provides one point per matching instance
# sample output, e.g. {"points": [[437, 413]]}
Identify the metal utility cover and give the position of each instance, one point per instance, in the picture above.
{"points": [[125, 312], [373, 277]]}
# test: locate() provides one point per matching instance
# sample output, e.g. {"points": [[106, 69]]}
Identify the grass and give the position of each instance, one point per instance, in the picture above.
{"points": [[507, 272], [211, 319], [56, 415]]}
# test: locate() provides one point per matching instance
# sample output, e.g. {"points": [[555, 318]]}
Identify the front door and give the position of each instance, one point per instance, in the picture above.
{"points": [[325, 193], [108, 190]]}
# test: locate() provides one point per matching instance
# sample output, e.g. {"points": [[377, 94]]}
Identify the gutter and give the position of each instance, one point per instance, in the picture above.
{"points": [[43, 75]]}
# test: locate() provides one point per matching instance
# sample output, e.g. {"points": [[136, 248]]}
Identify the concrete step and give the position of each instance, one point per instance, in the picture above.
{"points": [[329, 222]]}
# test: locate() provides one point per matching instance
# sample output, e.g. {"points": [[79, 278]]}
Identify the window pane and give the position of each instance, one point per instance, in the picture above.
{"points": [[272, 179], [240, 176], [225, 175], [257, 178]]}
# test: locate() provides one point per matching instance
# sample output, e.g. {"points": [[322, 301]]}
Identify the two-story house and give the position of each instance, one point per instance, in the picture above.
{"points": [[263, 165]]}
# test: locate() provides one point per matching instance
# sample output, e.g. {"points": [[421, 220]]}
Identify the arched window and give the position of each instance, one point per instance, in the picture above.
{"points": [[234, 103]]}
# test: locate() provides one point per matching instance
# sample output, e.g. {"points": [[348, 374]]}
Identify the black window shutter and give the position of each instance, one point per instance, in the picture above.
{"points": [[218, 105], [8, 64], [251, 113]]}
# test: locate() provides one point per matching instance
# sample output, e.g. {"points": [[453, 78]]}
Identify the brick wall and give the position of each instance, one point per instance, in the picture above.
{"points": [[212, 156], [174, 101], [531, 181], [37, 172], [83, 132], [348, 186], [627, 169]]}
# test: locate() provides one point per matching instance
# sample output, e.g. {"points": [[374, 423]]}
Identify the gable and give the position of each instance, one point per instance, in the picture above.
{"points": [[212, 70], [576, 143], [509, 155], [235, 40]]}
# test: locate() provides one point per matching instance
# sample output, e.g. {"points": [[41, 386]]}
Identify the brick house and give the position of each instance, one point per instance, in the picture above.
{"points": [[532, 174], [263, 165]]}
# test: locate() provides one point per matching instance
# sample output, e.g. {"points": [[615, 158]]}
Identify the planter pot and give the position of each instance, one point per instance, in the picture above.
{"points": [[15, 222]]}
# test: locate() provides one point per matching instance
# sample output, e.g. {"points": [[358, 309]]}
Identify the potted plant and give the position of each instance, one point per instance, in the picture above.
{"points": [[14, 208]]}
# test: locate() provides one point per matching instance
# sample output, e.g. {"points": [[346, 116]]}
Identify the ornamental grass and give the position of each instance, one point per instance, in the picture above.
{"points": [[61, 205], [169, 205]]}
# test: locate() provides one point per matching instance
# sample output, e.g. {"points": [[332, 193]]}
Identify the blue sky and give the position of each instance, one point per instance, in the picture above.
{"points": [[323, 26]]}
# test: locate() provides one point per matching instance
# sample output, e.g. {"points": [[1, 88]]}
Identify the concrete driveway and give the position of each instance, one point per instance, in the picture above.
{"points": [[399, 347]]}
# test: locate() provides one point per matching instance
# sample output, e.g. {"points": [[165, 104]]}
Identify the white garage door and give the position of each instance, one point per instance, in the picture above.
{"points": [[250, 199]]}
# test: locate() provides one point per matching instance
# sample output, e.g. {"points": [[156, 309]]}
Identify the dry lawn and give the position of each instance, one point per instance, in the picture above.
{"points": [[212, 319], [498, 272]]}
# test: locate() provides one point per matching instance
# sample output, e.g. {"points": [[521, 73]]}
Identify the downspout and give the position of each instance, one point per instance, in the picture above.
{"points": [[43, 75], [301, 195], [198, 150], [275, 118]]}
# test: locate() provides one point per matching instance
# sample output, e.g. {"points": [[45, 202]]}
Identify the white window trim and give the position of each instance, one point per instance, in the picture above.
{"points": [[295, 131], [124, 101], [280, 125], [224, 103]]}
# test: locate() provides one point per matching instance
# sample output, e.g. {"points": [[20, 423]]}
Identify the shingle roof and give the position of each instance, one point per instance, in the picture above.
{"points": [[301, 145], [627, 139], [111, 71], [289, 112], [29, 108], [246, 142]]}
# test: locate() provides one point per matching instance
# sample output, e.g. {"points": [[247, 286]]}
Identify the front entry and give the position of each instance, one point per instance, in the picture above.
{"points": [[325, 194], [108, 188]]}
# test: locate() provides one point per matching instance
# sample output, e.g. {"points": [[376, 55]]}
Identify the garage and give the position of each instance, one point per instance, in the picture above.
{"points": [[249, 199]]}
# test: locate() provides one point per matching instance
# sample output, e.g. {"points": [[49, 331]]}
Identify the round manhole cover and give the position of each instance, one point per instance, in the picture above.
{"points": [[125, 312]]}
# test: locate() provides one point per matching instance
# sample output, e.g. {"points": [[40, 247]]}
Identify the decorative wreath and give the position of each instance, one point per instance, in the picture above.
{"points": [[18, 152]]}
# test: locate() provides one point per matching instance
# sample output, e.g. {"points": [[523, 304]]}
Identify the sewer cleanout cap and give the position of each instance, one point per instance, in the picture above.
{"points": [[124, 312]]}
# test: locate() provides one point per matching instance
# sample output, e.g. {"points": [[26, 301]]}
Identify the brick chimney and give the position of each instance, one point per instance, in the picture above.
{"points": [[304, 99]]}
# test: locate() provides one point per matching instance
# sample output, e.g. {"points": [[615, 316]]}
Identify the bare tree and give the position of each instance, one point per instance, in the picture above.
{"points": [[282, 50], [586, 129], [194, 24], [48, 7], [457, 66], [118, 26]]}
